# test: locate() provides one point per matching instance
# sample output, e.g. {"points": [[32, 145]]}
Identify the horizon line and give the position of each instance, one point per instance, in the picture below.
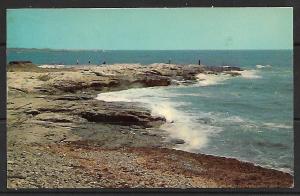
{"points": [[99, 49]]}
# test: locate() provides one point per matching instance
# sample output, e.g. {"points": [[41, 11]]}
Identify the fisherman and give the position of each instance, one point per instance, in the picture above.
{"points": [[199, 62]]}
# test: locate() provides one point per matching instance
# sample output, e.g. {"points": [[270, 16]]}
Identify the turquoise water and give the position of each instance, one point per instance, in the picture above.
{"points": [[208, 57], [249, 117]]}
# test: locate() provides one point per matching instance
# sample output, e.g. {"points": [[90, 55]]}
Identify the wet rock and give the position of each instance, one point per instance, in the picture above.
{"points": [[177, 141], [121, 117]]}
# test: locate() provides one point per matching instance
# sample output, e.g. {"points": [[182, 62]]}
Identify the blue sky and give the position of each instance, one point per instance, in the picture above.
{"points": [[151, 29]]}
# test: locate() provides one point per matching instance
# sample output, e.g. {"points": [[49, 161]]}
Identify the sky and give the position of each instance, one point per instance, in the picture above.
{"points": [[151, 28]]}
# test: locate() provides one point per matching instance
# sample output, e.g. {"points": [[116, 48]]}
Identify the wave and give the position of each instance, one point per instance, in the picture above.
{"points": [[249, 74], [211, 79], [179, 125], [215, 79], [276, 125], [263, 66]]}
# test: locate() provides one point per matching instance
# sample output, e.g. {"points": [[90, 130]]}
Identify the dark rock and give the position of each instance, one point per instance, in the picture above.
{"points": [[177, 141], [19, 89], [32, 112], [222, 69], [54, 109], [231, 68], [117, 113], [19, 62], [74, 97], [120, 117]]}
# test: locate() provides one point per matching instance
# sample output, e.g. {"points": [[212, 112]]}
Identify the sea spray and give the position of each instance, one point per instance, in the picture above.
{"points": [[182, 125]]}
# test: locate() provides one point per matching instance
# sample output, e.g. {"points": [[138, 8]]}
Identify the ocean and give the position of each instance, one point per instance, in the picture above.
{"points": [[249, 117]]}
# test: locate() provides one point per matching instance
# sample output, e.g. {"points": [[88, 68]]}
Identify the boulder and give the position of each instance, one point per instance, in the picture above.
{"points": [[19, 62]]}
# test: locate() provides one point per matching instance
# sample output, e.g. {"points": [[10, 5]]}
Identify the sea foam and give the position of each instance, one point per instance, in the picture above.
{"points": [[262, 66], [277, 125], [211, 79], [250, 74]]}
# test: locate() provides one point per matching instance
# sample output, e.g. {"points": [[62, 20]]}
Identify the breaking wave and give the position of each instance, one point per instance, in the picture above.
{"points": [[250, 74], [277, 125], [263, 66], [179, 125], [215, 79], [211, 79]]}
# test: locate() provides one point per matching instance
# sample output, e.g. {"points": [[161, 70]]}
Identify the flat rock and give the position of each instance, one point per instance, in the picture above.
{"points": [[177, 141]]}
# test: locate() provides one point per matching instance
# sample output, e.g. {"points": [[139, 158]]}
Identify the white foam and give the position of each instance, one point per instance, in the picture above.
{"points": [[215, 79], [207, 95], [211, 79], [249, 74], [277, 125], [263, 66]]}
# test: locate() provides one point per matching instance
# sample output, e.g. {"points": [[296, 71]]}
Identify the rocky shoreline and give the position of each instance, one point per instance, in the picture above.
{"points": [[60, 136]]}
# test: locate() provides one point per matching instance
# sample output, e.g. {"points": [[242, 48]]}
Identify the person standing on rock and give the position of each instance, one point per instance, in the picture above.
{"points": [[199, 62]]}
